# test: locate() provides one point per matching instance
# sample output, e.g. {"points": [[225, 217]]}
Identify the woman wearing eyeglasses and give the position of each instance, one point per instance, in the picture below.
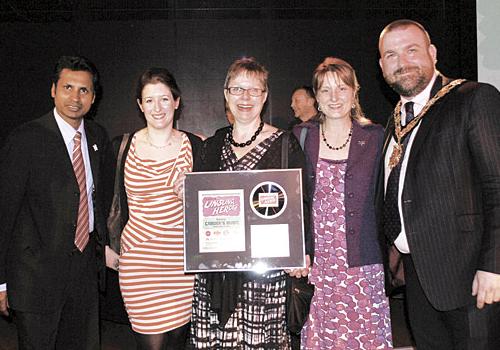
{"points": [[244, 310]]}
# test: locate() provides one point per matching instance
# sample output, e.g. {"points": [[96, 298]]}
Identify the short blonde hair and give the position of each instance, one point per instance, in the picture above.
{"points": [[248, 65]]}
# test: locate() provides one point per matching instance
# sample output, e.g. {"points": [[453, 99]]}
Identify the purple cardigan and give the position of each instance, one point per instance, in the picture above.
{"points": [[364, 155]]}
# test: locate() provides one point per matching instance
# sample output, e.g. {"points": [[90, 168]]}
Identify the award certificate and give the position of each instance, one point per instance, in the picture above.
{"points": [[243, 220]]}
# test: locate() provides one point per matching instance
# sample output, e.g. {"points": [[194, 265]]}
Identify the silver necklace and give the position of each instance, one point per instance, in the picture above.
{"points": [[156, 146]]}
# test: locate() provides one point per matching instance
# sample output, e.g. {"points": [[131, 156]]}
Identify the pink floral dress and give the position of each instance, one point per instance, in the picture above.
{"points": [[349, 309]]}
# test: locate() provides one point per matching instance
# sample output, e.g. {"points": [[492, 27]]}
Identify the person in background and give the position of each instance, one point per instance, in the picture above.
{"points": [[156, 292], [244, 310], [303, 105], [349, 309], [52, 215], [439, 194], [229, 114]]}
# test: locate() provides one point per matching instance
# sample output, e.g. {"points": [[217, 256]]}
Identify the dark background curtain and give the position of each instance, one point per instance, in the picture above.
{"points": [[198, 40]]}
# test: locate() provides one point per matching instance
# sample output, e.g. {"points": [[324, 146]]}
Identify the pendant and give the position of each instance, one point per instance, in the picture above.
{"points": [[397, 151]]}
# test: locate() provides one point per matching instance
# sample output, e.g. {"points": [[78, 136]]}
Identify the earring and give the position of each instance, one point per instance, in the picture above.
{"points": [[353, 106], [319, 108]]}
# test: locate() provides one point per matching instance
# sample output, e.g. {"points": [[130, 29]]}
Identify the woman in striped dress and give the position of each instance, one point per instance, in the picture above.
{"points": [[156, 292]]}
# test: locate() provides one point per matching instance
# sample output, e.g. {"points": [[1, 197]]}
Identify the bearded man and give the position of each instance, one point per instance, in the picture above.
{"points": [[439, 194]]}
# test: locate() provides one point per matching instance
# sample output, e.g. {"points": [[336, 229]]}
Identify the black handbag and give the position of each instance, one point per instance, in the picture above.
{"points": [[299, 291], [115, 222], [298, 302], [111, 301]]}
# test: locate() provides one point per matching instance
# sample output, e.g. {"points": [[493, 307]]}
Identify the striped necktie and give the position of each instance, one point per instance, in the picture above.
{"points": [[82, 225]]}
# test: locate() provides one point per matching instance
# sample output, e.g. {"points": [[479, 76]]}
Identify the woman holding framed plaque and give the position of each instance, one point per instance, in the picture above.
{"points": [[349, 309], [244, 310]]}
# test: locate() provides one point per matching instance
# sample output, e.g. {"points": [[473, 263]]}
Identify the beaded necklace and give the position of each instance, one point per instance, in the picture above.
{"points": [[336, 148], [249, 142]]}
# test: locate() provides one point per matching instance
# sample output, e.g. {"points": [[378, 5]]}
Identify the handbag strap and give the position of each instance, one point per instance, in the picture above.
{"points": [[119, 162], [284, 151]]}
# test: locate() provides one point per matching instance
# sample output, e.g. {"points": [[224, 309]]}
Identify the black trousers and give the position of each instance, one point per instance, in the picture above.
{"points": [[75, 324], [464, 328], [295, 340]]}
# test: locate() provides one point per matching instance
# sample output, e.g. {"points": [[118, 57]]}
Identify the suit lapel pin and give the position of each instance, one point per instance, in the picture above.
{"points": [[94, 146], [361, 143]]}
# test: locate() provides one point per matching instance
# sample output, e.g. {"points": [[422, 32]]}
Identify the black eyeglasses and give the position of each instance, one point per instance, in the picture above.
{"points": [[238, 91]]}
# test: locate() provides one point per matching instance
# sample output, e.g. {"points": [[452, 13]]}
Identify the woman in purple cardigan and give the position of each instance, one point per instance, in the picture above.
{"points": [[349, 309]]}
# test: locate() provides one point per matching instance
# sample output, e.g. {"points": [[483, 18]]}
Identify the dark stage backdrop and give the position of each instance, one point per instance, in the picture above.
{"points": [[197, 41]]}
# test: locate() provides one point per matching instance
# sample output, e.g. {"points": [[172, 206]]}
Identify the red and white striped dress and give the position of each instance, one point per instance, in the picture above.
{"points": [[157, 293]]}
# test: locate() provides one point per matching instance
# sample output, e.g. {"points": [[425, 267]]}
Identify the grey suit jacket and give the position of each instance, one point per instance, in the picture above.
{"points": [[451, 194], [39, 199]]}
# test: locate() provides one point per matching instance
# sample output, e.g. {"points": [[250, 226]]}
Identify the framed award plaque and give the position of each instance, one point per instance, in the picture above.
{"points": [[243, 220]]}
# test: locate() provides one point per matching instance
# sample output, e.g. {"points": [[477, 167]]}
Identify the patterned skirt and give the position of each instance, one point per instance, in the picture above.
{"points": [[258, 322]]}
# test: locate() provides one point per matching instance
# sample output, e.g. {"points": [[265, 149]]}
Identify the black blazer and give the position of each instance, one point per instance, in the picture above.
{"points": [[39, 209], [451, 195]]}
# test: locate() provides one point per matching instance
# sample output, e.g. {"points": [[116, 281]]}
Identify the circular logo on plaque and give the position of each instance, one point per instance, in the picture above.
{"points": [[268, 200]]}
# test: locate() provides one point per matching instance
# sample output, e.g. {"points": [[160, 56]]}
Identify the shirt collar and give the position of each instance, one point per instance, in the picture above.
{"points": [[67, 131], [422, 98]]}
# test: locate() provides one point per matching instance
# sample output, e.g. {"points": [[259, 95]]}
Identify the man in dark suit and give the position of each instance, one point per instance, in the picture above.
{"points": [[52, 226], [441, 176]]}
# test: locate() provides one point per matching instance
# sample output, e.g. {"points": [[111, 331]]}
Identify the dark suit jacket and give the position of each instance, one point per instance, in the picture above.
{"points": [[361, 172], [39, 209], [451, 194]]}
